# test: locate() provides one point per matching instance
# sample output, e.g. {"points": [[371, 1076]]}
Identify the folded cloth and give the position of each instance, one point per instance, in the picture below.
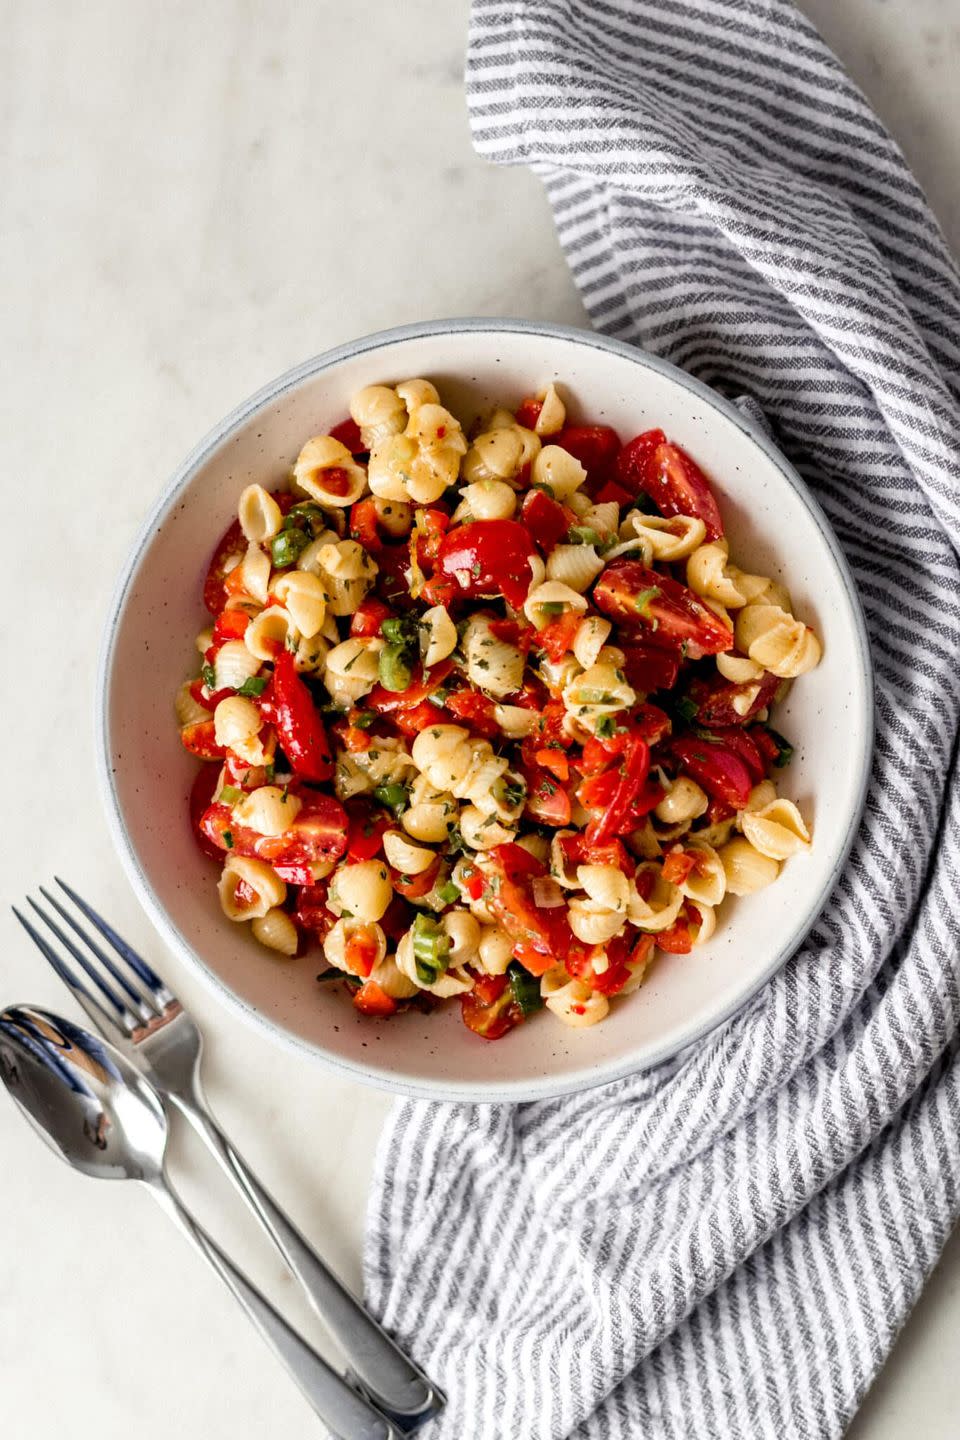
{"points": [[727, 1246]]}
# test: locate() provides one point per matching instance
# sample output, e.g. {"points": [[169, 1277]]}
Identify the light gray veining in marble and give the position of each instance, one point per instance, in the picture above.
{"points": [[196, 197]]}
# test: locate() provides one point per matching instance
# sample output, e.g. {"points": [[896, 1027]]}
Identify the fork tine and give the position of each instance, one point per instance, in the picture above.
{"points": [[158, 988], [104, 1021], [138, 997], [118, 1011]]}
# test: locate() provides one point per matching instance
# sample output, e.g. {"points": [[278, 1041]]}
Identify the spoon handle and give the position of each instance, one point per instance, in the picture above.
{"points": [[345, 1413], [392, 1381]]}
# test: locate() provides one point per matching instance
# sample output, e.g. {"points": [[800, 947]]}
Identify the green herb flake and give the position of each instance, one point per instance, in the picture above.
{"points": [[253, 687], [209, 676], [228, 839]]}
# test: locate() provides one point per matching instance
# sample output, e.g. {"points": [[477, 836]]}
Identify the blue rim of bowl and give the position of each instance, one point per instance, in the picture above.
{"points": [[591, 1076]]}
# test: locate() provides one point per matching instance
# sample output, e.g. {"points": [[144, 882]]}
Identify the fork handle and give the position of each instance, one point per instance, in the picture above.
{"points": [[345, 1413], [394, 1384]]}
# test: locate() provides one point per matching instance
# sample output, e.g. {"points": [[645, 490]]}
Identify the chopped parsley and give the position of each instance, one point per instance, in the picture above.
{"points": [[209, 676], [228, 839]]}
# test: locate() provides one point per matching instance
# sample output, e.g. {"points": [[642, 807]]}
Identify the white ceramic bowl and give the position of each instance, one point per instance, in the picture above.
{"points": [[774, 527]]}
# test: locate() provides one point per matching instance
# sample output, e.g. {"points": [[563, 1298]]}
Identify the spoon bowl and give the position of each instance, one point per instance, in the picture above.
{"points": [[101, 1115], [82, 1097]]}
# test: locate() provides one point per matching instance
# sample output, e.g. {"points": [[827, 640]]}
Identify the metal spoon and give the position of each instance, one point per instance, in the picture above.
{"points": [[101, 1115]]}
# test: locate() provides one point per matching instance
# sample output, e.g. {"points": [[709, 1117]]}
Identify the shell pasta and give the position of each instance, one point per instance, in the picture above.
{"points": [[484, 712]]}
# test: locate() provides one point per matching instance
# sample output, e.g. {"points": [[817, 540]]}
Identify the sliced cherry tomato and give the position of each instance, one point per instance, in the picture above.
{"points": [[387, 702], [439, 591], [679, 937], [669, 616], [556, 761], [372, 999], [632, 774], [557, 637], [490, 1019], [488, 557], [541, 936], [678, 865], [295, 874], [319, 833], [746, 747], [547, 801], [610, 490], [200, 739], [365, 839], [648, 669], [369, 617], [547, 520], [672, 479], [230, 550], [393, 563], [474, 710], [550, 732], [414, 887], [488, 988], [201, 797], [361, 950], [348, 433], [716, 700], [428, 535], [595, 446], [311, 911], [288, 705], [528, 412], [721, 772], [364, 525]]}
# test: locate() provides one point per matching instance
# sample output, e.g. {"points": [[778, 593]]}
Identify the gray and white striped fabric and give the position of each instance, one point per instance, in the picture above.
{"points": [[729, 1245]]}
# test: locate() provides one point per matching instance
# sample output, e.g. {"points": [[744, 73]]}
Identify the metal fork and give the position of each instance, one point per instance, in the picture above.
{"points": [[133, 1006]]}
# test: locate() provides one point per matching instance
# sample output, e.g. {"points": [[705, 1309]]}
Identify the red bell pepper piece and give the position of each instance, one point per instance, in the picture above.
{"points": [[288, 705]]}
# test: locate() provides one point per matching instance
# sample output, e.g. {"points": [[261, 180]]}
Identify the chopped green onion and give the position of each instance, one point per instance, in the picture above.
{"points": [[542, 485], [271, 772], [332, 974], [209, 676], [394, 797], [287, 547], [448, 892], [395, 671], [582, 535], [229, 795], [254, 686], [524, 987], [401, 630], [553, 607], [643, 599], [431, 949], [364, 719], [305, 515]]}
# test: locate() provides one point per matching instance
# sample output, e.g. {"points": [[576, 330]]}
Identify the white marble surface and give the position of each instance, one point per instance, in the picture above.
{"points": [[195, 197]]}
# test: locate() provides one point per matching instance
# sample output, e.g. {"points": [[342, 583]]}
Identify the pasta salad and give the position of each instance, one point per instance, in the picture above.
{"points": [[487, 715]]}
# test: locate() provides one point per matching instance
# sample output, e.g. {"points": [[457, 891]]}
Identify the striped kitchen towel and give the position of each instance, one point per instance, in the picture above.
{"points": [[728, 1246]]}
